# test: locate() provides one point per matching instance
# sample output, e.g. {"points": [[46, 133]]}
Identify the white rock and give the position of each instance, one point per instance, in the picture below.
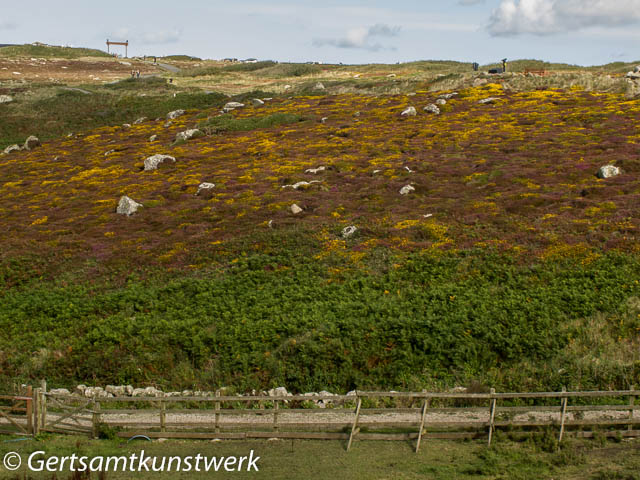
{"points": [[126, 125], [5, 99], [59, 391], [189, 134], [346, 233], [319, 86], [315, 170], [408, 169], [140, 120], [488, 101], [138, 392], [324, 119], [153, 138], [233, 105], [175, 114], [391, 75], [448, 96], [116, 391], [432, 108], [409, 112], [168, 124], [441, 101], [205, 186], [287, 87], [295, 209], [407, 189], [257, 102], [127, 206], [608, 171], [31, 143], [428, 215], [152, 162], [301, 184], [279, 392], [12, 148]]}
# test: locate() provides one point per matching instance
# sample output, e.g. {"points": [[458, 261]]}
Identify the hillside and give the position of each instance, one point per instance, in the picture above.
{"points": [[509, 264]]}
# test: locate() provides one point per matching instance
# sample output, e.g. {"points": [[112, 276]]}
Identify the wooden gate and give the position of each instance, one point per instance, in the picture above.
{"points": [[16, 413]]}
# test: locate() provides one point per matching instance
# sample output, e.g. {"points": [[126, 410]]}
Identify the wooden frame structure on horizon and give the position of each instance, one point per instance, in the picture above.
{"points": [[125, 44]]}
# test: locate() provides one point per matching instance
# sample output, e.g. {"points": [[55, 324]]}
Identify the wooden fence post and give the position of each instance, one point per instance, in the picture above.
{"points": [[275, 415], [492, 415], [29, 394], [354, 428], [163, 416], [95, 418], [217, 426], [36, 411], [563, 413], [632, 402], [43, 404], [425, 406]]}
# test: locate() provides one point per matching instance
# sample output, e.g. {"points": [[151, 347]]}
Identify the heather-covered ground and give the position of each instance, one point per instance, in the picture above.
{"points": [[510, 263]]}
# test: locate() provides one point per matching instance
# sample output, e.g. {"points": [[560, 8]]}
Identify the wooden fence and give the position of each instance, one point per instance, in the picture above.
{"points": [[407, 416]]}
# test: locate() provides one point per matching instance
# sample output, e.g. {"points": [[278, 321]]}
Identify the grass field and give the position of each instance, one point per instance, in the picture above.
{"points": [[536, 458]]}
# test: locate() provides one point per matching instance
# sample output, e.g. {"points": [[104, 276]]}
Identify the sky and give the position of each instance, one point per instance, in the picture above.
{"points": [[582, 32]]}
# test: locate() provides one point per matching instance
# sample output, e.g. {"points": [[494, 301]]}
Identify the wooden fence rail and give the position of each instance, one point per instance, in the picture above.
{"points": [[363, 415]]}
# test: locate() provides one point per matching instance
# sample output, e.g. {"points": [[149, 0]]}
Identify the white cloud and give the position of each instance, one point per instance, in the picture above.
{"points": [[546, 17], [361, 38]]}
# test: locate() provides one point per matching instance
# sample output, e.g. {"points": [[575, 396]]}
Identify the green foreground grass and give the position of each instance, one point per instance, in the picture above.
{"points": [[533, 458]]}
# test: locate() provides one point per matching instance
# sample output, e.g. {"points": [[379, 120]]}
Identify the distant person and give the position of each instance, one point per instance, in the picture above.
{"points": [[133, 74], [504, 65], [138, 74], [476, 66]]}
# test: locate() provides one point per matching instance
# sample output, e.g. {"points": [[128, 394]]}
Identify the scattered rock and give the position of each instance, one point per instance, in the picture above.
{"points": [[448, 96], [408, 169], [409, 112], [637, 69], [391, 75], [319, 86], [126, 125], [59, 391], [175, 114], [608, 171], [205, 186], [441, 101], [12, 148], [152, 162], [287, 87], [315, 170], [6, 99], [295, 209], [116, 391], [127, 206], [357, 114], [278, 392], [407, 189], [348, 231], [153, 138], [270, 224], [302, 184], [140, 120], [324, 119], [257, 102], [31, 143], [168, 124], [189, 134], [488, 101], [432, 108], [478, 82], [232, 106]]}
